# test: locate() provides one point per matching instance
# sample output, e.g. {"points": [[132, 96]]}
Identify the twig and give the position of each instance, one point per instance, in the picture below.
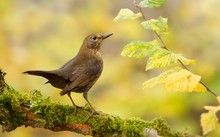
{"points": [[165, 47]]}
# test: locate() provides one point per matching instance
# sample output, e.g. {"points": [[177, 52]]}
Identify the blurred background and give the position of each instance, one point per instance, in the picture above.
{"points": [[44, 34]]}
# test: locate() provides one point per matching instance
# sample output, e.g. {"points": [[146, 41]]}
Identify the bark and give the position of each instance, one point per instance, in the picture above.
{"points": [[18, 109]]}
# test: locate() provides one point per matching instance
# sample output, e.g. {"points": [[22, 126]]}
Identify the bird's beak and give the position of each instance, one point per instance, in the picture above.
{"points": [[104, 36]]}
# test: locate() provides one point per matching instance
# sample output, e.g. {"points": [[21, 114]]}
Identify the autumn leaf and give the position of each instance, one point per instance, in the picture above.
{"points": [[158, 25], [126, 14], [139, 49], [177, 79], [182, 80], [209, 120], [200, 88], [152, 3], [159, 79], [218, 98], [161, 58]]}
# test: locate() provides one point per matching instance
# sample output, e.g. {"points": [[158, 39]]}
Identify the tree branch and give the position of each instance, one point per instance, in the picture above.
{"points": [[166, 47], [34, 110]]}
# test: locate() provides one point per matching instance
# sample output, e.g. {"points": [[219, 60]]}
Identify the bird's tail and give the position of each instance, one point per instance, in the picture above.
{"points": [[45, 74]]}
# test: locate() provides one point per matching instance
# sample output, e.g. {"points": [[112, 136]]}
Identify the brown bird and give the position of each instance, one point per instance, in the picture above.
{"points": [[81, 72]]}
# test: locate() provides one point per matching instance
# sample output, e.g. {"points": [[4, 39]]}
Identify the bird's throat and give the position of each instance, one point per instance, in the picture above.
{"points": [[95, 52]]}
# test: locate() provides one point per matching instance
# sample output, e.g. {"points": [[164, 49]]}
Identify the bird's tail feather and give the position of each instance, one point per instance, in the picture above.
{"points": [[38, 73]]}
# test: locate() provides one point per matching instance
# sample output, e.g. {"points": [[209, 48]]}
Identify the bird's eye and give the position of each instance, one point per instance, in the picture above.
{"points": [[94, 38]]}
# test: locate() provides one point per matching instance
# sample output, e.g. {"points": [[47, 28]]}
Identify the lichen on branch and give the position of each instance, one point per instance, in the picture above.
{"points": [[19, 109]]}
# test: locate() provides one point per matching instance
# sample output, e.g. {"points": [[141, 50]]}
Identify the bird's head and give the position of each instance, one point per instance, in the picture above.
{"points": [[93, 41]]}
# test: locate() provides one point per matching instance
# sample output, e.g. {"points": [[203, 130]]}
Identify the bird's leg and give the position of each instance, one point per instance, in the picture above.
{"points": [[74, 105], [85, 95]]}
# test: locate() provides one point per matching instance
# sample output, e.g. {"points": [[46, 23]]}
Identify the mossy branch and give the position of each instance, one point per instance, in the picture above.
{"points": [[17, 109]]}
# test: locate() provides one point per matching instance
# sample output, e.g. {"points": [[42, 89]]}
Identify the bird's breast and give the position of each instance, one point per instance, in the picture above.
{"points": [[90, 64]]}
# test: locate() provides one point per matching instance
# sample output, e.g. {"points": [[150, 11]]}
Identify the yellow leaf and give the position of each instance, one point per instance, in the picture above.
{"points": [[200, 88], [177, 79], [218, 98], [185, 60], [152, 3], [139, 49], [209, 120], [126, 14], [160, 58], [161, 78], [158, 25], [182, 80]]}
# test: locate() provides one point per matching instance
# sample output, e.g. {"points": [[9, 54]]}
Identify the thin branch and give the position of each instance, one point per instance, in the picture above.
{"points": [[165, 47]]}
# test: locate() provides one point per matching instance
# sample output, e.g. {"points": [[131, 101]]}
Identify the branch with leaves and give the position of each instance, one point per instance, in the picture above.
{"points": [[178, 79]]}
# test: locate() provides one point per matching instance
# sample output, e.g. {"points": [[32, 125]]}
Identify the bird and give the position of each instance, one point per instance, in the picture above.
{"points": [[80, 73]]}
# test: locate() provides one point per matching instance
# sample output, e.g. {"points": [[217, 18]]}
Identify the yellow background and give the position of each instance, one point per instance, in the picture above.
{"points": [[44, 34]]}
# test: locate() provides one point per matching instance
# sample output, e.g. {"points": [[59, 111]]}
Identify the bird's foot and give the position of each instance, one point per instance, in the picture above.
{"points": [[76, 108], [94, 112]]}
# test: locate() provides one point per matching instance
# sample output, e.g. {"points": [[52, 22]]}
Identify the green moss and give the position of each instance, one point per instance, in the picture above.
{"points": [[163, 128], [105, 124], [130, 127], [10, 102], [53, 114], [2, 82], [133, 127]]}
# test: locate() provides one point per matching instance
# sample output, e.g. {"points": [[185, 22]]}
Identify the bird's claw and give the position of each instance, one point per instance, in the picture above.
{"points": [[92, 114], [76, 108]]}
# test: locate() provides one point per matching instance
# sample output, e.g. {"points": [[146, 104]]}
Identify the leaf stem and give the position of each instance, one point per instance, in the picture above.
{"points": [[165, 47]]}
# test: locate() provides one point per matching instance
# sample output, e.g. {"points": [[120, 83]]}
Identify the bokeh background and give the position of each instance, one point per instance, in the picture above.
{"points": [[44, 34]]}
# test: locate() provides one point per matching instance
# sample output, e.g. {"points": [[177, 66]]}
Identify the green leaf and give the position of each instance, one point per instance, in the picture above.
{"points": [[209, 120], [161, 58], [152, 3], [184, 60], [176, 79], [139, 49], [126, 14], [158, 25], [158, 57]]}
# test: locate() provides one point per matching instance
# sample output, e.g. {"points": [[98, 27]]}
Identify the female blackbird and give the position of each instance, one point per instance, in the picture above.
{"points": [[81, 72]]}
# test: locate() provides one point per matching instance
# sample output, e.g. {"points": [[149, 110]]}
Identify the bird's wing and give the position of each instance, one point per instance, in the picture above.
{"points": [[71, 62], [83, 74], [77, 80]]}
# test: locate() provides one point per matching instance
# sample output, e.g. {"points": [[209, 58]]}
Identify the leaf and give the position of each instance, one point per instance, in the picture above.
{"points": [[182, 80], [158, 57], [176, 79], [139, 49], [184, 60], [160, 79], [152, 3], [161, 58], [158, 25], [218, 98], [200, 87], [126, 14], [209, 120]]}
